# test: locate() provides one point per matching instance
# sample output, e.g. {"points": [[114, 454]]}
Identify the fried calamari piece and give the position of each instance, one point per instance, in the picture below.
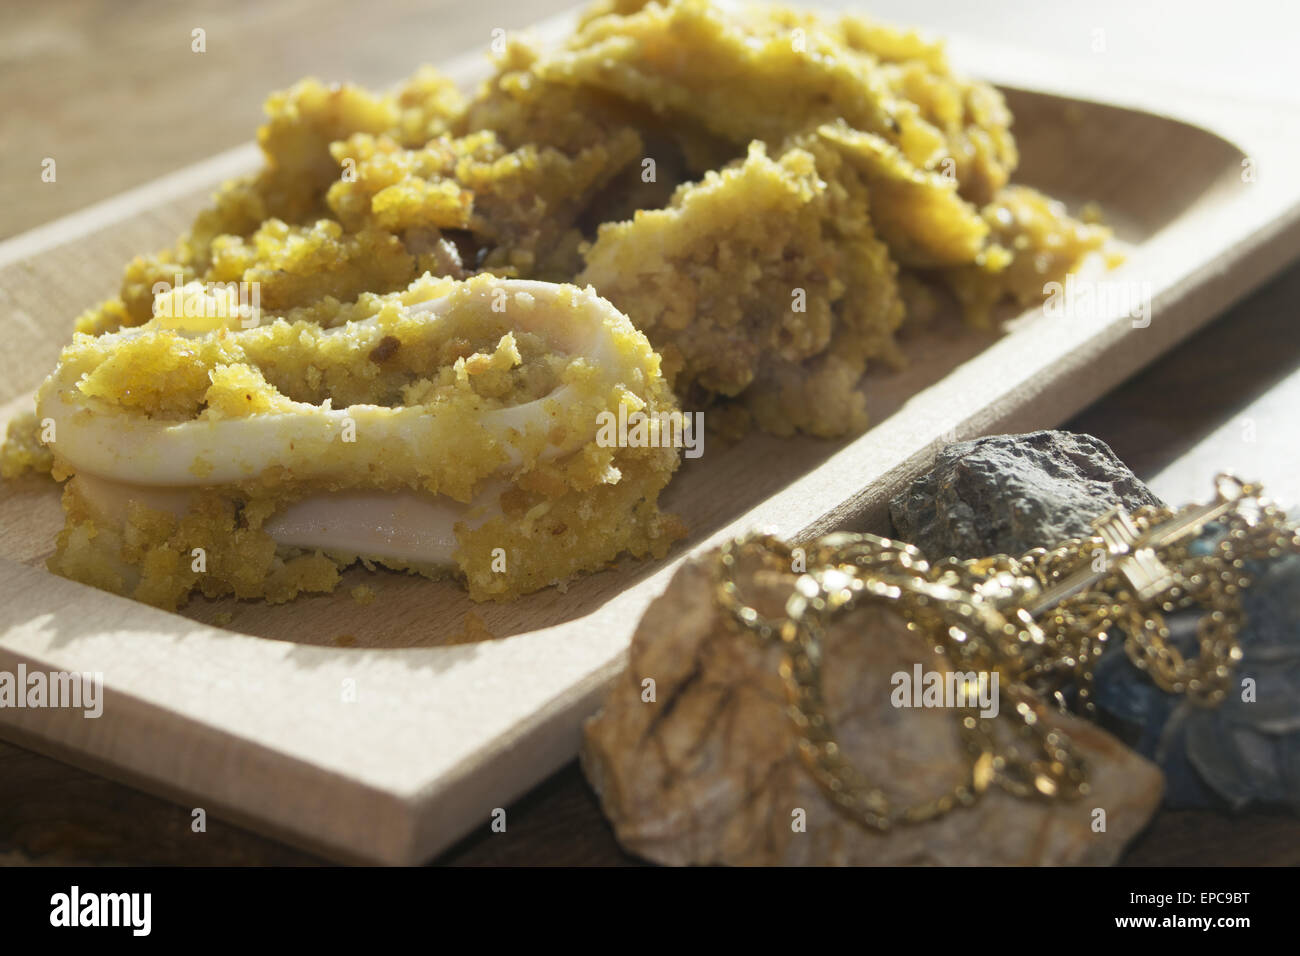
{"points": [[1033, 241], [298, 168], [737, 78], [519, 206], [759, 72], [450, 428], [23, 451], [919, 214], [980, 152], [973, 118], [522, 109], [387, 212], [746, 283]]}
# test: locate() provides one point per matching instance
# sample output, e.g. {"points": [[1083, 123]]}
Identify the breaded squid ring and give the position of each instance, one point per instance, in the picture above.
{"points": [[149, 451], [477, 450]]}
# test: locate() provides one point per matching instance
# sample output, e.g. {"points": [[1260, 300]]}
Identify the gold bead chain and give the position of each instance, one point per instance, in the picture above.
{"points": [[1041, 621]]}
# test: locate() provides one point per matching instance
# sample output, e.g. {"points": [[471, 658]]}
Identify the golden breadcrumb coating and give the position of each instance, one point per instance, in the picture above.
{"points": [[764, 272], [23, 452], [544, 171], [911, 166], [1033, 242], [552, 516], [768, 194]]}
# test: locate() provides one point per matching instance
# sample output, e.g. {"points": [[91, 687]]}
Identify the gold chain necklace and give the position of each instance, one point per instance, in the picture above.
{"points": [[1040, 621]]}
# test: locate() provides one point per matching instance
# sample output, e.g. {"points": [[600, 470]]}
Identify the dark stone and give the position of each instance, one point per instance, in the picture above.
{"points": [[1008, 494]]}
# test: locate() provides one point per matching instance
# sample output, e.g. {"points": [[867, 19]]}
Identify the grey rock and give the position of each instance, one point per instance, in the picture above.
{"points": [[1007, 494]]}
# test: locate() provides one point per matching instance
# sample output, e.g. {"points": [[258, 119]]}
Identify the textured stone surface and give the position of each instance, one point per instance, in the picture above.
{"points": [[708, 772], [1009, 493]]}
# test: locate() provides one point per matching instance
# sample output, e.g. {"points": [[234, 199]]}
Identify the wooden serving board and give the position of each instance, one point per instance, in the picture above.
{"points": [[240, 708]]}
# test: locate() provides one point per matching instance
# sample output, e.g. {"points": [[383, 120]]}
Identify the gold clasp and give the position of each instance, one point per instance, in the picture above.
{"points": [[1136, 555], [1134, 558]]}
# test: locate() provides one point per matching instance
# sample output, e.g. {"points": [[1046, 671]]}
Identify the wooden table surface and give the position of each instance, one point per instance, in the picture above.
{"points": [[112, 91]]}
